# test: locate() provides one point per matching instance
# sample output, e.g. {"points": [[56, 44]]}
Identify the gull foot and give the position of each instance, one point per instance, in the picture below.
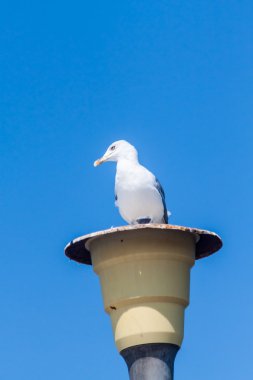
{"points": [[143, 220]]}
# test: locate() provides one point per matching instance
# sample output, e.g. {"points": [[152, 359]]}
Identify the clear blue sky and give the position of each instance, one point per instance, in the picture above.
{"points": [[175, 78]]}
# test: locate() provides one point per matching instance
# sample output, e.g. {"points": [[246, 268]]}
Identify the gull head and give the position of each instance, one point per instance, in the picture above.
{"points": [[120, 149]]}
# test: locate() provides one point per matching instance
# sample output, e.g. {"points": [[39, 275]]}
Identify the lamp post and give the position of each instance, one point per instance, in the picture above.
{"points": [[144, 271]]}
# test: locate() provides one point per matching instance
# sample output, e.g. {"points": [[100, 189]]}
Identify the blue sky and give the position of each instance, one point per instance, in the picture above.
{"points": [[175, 79]]}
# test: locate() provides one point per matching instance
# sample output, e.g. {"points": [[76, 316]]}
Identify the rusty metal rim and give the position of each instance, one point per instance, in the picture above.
{"points": [[207, 242]]}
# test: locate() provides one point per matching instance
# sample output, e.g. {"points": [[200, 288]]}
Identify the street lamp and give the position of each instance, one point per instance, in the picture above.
{"points": [[144, 272]]}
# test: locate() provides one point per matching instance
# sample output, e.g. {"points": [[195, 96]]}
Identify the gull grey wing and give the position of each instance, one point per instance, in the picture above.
{"points": [[116, 200], [158, 186]]}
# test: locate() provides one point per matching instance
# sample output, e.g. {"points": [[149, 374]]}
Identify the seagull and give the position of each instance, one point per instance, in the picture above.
{"points": [[138, 193]]}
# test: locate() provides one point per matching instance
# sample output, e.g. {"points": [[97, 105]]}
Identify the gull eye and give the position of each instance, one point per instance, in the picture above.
{"points": [[113, 147]]}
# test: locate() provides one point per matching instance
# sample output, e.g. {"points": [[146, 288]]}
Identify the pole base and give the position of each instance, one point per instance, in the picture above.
{"points": [[153, 361]]}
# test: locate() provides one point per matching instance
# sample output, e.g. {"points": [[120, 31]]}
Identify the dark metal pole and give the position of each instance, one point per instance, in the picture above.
{"points": [[153, 361]]}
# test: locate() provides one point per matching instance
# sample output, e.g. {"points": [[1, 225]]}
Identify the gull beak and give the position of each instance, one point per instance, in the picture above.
{"points": [[103, 159], [100, 161]]}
